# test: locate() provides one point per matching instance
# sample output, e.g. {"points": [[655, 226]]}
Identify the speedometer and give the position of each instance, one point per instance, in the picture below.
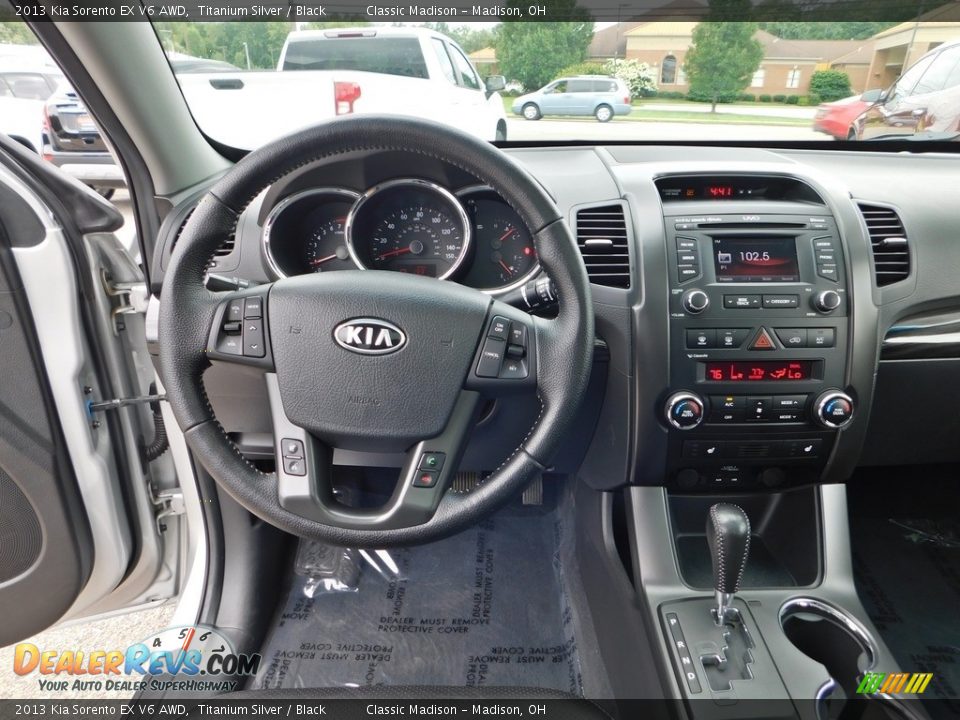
{"points": [[410, 226]]}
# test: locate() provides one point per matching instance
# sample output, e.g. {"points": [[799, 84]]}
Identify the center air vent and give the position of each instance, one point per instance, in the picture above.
{"points": [[891, 251], [602, 238]]}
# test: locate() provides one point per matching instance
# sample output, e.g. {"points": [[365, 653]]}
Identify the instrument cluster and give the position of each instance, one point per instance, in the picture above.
{"points": [[406, 225]]}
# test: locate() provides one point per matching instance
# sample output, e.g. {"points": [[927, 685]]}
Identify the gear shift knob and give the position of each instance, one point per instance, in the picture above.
{"points": [[728, 536]]}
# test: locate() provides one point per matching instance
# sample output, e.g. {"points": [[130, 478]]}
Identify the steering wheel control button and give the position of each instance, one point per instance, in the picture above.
{"points": [[513, 369], [234, 311], [233, 328], [491, 358], [230, 345], [499, 328], [253, 308], [291, 448], [432, 461], [253, 339], [701, 338], [763, 341], [294, 466], [518, 334], [425, 478], [684, 411]]}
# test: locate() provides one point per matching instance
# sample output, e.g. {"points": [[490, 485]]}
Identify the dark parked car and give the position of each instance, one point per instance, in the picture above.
{"points": [[925, 99]]}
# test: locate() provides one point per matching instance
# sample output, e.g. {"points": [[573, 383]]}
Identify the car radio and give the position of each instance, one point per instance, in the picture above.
{"points": [[758, 342]]}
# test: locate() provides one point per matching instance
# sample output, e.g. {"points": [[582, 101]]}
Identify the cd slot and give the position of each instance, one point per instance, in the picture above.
{"points": [[751, 226]]}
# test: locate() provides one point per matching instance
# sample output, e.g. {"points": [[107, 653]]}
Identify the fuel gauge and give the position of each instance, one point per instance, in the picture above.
{"points": [[504, 256]]}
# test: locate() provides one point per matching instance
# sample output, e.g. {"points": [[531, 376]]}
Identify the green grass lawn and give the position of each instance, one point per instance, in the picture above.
{"points": [[639, 114]]}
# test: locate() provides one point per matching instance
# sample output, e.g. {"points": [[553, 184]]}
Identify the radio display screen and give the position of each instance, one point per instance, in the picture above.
{"points": [[753, 371], [756, 259]]}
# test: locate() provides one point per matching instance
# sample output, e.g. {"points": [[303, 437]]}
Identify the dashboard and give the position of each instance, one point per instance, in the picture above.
{"points": [[408, 225], [764, 318]]}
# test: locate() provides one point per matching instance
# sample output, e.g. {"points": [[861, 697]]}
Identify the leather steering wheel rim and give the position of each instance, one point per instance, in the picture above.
{"points": [[563, 354]]}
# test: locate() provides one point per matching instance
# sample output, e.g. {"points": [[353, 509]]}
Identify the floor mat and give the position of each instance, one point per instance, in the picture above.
{"points": [[486, 607], [908, 576]]}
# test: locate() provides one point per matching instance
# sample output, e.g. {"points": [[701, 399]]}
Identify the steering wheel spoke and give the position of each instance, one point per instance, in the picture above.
{"points": [[239, 332], [305, 472]]}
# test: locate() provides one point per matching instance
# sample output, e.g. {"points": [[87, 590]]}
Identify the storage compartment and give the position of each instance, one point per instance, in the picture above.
{"points": [[832, 638], [785, 542]]}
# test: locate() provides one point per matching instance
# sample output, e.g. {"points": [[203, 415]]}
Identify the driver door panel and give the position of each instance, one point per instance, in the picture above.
{"points": [[45, 545], [78, 533]]}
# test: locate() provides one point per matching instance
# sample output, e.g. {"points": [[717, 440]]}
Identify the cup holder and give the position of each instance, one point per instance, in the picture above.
{"points": [[833, 638]]}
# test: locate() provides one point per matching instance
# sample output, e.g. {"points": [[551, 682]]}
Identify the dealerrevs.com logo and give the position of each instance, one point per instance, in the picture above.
{"points": [[183, 659]]}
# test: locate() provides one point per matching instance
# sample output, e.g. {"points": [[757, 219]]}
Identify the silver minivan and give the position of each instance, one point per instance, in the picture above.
{"points": [[597, 95]]}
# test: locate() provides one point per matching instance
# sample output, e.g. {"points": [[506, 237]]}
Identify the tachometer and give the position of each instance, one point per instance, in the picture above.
{"points": [[304, 232], [410, 226], [326, 248]]}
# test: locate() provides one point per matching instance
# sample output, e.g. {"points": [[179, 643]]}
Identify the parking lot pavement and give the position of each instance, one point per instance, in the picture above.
{"points": [[114, 633], [793, 112], [620, 130]]}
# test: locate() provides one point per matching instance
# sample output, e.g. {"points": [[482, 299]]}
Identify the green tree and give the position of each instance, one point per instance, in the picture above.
{"points": [[724, 57], [533, 53], [830, 85], [17, 33], [824, 30]]}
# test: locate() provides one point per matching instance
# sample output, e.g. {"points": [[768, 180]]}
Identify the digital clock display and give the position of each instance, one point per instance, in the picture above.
{"points": [[719, 191], [744, 371]]}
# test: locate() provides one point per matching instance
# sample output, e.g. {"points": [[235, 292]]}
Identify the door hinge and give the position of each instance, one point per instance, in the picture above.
{"points": [[131, 298], [168, 503]]}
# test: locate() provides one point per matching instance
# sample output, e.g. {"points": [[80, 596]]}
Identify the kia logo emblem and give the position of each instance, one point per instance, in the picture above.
{"points": [[369, 336]]}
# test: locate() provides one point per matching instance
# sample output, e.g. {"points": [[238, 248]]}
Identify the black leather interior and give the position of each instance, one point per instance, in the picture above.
{"points": [[564, 347], [728, 535]]}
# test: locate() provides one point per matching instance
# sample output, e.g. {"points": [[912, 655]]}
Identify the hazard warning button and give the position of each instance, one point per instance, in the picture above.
{"points": [[763, 341]]}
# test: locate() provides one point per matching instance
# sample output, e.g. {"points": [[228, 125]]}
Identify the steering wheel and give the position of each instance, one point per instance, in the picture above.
{"points": [[374, 361]]}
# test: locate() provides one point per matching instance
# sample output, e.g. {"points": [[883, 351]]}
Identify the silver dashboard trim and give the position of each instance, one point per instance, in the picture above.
{"points": [[422, 184], [277, 210], [524, 279]]}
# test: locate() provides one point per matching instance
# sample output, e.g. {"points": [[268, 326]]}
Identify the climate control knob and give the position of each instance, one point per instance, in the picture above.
{"points": [[684, 410], [827, 301], [695, 301], [833, 409]]}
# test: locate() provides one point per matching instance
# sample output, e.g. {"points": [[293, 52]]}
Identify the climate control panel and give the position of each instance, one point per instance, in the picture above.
{"points": [[758, 344]]}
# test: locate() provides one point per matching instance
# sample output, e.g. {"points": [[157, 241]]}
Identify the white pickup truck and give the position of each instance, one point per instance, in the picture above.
{"points": [[325, 73]]}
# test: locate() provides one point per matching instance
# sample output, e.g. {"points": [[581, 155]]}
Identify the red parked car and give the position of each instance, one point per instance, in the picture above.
{"points": [[837, 118]]}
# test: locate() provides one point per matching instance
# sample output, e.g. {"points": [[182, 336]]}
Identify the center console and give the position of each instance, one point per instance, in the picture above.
{"points": [[759, 329]]}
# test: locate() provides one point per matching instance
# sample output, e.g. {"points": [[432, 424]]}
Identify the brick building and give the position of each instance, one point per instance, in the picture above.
{"points": [[785, 70]]}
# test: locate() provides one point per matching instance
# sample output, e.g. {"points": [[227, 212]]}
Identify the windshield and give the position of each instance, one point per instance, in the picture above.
{"points": [[598, 75]]}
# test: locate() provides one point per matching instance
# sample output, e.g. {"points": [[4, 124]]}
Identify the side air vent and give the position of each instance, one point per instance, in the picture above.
{"points": [[891, 251], [602, 238], [225, 249]]}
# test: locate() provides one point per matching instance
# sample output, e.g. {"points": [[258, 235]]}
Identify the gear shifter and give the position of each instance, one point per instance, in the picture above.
{"points": [[728, 535]]}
